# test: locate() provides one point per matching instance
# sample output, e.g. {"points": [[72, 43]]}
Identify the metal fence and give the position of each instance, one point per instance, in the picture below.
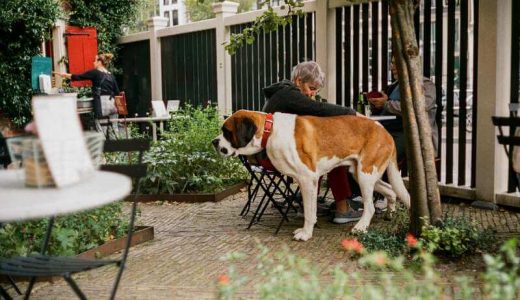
{"points": [[135, 78], [363, 49], [269, 60], [189, 67]]}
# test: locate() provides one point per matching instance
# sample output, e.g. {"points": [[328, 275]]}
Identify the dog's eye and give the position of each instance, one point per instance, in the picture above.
{"points": [[227, 133]]}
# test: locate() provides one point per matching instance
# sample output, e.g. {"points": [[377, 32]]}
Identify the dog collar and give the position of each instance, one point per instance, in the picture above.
{"points": [[268, 125]]}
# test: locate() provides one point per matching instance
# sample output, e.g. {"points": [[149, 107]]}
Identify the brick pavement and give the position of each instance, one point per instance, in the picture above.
{"points": [[183, 261]]}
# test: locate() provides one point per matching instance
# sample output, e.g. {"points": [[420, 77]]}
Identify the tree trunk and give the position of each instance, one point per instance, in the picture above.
{"points": [[424, 192]]}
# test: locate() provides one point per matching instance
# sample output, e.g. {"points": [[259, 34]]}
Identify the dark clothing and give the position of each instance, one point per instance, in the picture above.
{"points": [[108, 86], [106, 81], [285, 97]]}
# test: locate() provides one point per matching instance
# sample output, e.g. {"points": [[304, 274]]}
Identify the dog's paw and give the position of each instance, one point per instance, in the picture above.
{"points": [[360, 228], [301, 235]]}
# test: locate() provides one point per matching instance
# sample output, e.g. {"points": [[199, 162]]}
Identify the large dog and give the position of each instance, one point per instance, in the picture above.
{"points": [[306, 147]]}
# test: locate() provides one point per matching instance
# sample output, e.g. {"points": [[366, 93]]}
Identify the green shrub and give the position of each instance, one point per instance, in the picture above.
{"points": [[23, 26], [284, 275], [389, 236], [456, 237], [502, 277], [71, 234], [184, 160]]}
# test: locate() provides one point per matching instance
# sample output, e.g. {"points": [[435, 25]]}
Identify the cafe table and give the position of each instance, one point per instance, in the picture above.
{"points": [[21, 203]]}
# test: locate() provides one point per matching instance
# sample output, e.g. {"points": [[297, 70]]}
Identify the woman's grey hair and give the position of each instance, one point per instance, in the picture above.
{"points": [[308, 71]]}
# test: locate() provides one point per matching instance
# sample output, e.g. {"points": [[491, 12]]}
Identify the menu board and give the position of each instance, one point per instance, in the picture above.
{"points": [[61, 137]]}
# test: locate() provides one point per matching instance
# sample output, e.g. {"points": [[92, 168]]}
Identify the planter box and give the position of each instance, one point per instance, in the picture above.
{"points": [[141, 234], [192, 198]]}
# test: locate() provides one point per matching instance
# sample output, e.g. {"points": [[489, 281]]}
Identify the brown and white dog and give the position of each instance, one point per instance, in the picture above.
{"points": [[306, 147]]}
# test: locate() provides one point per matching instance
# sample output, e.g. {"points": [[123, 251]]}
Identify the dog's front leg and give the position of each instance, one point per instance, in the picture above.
{"points": [[309, 189]]}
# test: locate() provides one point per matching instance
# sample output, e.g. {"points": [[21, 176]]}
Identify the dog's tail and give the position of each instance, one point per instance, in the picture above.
{"points": [[394, 176]]}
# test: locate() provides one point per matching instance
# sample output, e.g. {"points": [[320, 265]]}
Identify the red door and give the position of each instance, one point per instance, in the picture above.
{"points": [[82, 50]]}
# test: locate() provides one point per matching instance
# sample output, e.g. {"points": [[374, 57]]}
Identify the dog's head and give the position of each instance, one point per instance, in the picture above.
{"points": [[241, 134]]}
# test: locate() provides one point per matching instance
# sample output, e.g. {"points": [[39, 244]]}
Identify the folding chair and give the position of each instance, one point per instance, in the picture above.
{"points": [[274, 186], [509, 141], [44, 266]]}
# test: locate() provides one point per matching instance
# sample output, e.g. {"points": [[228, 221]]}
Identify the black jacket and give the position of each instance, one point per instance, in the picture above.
{"points": [[108, 85], [285, 97]]}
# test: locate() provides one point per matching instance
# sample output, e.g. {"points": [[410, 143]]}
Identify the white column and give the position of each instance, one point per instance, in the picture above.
{"points": [[59, 50], [224, 90], [494, 70], [154, 24], [332, 61], [321, 46]]}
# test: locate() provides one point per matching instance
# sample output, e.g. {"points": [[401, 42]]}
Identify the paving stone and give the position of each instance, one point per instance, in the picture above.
{"points": [[184, 260]]}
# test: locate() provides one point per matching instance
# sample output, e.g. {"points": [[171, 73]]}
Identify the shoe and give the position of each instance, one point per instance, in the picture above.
{"points": [[350, 216], [381, 205], [355, 203]]}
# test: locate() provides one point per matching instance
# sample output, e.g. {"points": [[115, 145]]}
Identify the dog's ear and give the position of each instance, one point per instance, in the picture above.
{"points": [[245, 129]]}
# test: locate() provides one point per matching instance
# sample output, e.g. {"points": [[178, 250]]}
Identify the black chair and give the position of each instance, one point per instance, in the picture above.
{"points": [[5, 160], [276, 188], [45, 266], [509, 142]]}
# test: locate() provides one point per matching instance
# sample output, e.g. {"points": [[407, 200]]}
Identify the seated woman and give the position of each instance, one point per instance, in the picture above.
{"points": [[296, 96]]}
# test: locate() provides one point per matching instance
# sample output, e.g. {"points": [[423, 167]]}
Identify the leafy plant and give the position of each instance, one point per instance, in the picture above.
{"points": [[24, 24], [457, 236], [108, 16], [284, 275], [390, 236], [184, 160], [267, 22], [71, 234], [502, 277]]}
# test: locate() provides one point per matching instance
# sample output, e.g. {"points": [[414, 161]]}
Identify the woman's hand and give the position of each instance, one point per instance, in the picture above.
{"points": [[379, 102], [66, 75]]}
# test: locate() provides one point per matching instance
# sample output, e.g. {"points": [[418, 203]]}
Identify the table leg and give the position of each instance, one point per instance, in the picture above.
{"points": [[154, 131], [42, 252]]}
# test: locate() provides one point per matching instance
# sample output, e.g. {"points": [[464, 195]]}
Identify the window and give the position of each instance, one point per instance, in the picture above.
{"points": [[174, 1], [167, 16], [166, 2], [175, 17]]}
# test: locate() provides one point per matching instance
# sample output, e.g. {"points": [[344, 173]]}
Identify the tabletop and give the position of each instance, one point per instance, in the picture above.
{"points": [[19, 202], [383, 118]]}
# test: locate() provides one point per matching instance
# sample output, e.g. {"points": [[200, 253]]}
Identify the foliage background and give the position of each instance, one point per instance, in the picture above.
{"points": [[185, 161], [201, 10], [23, 26]]}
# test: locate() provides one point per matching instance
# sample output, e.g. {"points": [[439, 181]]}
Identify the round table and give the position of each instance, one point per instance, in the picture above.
{"points": [[19, 202]]}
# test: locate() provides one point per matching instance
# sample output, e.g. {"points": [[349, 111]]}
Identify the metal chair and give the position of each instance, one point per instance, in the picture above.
{"points": [[509, 141], [45, 266], [276, 189]]}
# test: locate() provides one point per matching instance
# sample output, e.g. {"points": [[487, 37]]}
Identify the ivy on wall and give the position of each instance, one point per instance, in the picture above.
{"points": [[23, 26]]}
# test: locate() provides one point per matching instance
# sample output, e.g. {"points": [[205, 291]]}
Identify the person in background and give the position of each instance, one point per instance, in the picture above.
{"points": [[389, 103], [296, 96], [103, 81]]}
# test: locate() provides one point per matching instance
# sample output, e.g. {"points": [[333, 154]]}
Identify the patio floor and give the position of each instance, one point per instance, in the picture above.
{"points": [[183, 261]]}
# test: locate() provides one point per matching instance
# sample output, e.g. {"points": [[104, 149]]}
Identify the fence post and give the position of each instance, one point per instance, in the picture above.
{"points": [[59, 49], [493, 90], [154, 24], [325, 54], [223, 10]]}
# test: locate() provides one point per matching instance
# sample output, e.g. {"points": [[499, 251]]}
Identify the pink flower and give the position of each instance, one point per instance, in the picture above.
{"points": [[411, 240], [353, 246], [223, 279], [380, 260]]}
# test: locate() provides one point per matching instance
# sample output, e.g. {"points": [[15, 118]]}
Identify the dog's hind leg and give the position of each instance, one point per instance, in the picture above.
{"points": [[367, 182], [309, 190], [395, 179], [386, 190]]}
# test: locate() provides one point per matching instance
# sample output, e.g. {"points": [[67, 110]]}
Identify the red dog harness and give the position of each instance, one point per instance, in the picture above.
{"points": [[268, 126]]}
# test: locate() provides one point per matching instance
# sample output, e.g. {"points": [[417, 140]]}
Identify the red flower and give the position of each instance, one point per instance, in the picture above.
{"points": [[411, 240], [380, 259], [353, 246], [223, 279]]}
